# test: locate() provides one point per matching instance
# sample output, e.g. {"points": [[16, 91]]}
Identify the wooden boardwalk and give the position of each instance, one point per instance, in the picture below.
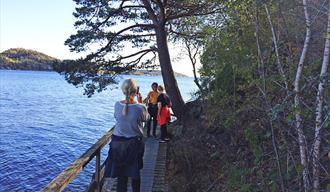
{"points": [[153, 172]]}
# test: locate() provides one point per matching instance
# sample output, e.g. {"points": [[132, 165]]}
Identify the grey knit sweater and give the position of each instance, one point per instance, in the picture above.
{"points": [[131, 124]]}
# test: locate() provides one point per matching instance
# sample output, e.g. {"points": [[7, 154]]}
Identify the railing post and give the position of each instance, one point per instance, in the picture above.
{"points": [[66, 176], [97, 171]]}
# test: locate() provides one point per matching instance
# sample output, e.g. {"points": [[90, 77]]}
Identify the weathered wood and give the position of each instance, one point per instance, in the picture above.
{"points": [[97, 171], [148, 173], [64, 178]]}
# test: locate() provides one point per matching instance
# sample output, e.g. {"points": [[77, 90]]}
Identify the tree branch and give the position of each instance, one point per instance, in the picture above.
{"points": [[116, 35], [195, 35], [142, 35], [136, 61], [137, 53], [193, 60], [197, 11], [150, 11], [129, 65], [162, 9], [120, 8], [130, 27]]}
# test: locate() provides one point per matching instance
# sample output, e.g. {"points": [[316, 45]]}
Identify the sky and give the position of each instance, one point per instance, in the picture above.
{"points": [[44, 25]]}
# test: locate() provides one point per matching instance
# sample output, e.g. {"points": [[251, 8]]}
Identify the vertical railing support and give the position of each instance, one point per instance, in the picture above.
{"points": [[97, 171], [70, 173]]}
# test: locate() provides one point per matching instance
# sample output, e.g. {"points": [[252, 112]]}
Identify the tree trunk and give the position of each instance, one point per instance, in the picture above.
{"points": [[170, 82], [264, 93], [320, 101], [279, 64], [301, 136], [192, 57], [261, 63]]}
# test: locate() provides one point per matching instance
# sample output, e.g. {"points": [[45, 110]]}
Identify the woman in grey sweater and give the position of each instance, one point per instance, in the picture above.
{"points": [[125, 158]]}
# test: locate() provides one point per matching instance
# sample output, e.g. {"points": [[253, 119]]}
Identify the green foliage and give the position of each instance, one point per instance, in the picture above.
{"points": [[255, 144], [93, 78], [236, 180], [251, 94], [228, 58]]}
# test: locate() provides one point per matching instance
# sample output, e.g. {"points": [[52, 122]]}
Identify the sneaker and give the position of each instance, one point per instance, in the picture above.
{"points": [[167, 139], [162, 141]]}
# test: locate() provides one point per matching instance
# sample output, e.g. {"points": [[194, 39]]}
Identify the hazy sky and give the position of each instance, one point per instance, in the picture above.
{"points": [[44, 25]]}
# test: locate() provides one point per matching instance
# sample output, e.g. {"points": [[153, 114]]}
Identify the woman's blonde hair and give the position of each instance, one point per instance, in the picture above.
{"points": [[160, 88], [129, 88]]}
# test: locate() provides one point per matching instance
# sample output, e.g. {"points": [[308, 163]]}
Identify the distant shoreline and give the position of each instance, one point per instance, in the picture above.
{"points": [[135, 73], [31, 60]]}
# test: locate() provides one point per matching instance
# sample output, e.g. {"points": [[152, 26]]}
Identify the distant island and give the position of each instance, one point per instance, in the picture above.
{"points": [[25, 59]]}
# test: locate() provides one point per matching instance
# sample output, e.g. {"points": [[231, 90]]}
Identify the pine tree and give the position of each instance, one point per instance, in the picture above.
{"points": [[108, 27]]}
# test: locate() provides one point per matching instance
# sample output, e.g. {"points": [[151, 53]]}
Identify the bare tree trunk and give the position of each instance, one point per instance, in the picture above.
{"points": [[320, 101], [301, 136], [264, 93], [170, 82], [261, 63], [193, 60], [279, 64]]}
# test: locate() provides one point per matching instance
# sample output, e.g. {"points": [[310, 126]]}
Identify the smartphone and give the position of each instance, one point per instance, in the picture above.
{"points": [[137, 90]]}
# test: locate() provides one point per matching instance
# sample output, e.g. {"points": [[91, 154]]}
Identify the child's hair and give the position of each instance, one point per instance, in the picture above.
{"points": [[154, 84], [129, 88], [161, 88]]}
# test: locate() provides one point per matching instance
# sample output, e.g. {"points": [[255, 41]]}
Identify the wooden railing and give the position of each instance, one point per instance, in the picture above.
{"points": [[64, 178]]}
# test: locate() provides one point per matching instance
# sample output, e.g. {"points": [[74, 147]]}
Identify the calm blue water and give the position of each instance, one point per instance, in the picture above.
{"points": [[45, 124]]}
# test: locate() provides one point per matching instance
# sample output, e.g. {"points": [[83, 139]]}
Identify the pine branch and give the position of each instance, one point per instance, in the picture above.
{"points": [[108, 46]]}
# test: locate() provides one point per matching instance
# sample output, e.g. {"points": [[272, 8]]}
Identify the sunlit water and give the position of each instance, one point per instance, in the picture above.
{"points": [[45, 124]]}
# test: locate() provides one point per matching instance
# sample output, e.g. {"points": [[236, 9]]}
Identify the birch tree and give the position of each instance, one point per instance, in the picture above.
{"points": [[319, 108], [279, 64], [297, 111]]}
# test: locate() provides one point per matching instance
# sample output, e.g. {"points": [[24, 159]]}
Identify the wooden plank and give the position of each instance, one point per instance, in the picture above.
{"points": [[147, 173], [64, 178]]}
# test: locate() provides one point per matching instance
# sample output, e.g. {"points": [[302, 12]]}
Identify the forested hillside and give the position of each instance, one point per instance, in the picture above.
{"points": [[261, 122], [24, 59]]}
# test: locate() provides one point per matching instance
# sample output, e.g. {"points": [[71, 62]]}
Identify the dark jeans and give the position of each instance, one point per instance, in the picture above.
{"points": [[152, 109], [125, 157], [122, 184], [163, 131]]}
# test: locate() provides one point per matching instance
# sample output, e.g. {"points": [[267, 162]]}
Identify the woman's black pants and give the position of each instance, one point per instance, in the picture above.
{"points": [[152, 109], [163, 131], [122, 184]]}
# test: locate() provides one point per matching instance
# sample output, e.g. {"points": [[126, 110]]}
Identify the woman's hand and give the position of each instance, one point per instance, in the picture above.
{"points": [[146, 100]]}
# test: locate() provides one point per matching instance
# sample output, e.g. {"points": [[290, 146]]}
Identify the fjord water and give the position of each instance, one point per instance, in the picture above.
{"points": [[45, 124]]}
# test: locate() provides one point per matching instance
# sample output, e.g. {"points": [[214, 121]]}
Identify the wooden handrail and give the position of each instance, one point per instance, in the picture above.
{"points": [[66, 176]]}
